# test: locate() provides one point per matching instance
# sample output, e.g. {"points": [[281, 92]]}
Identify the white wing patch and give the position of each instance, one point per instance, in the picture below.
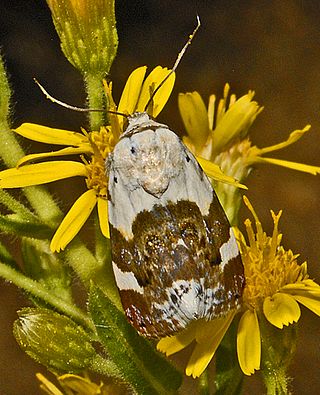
{"points": [[187, 301], [126, 280], [229, 250]]}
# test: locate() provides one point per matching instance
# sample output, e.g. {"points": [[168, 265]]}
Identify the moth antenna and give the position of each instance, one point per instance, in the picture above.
{"points": [[176, 63], [122, 114], [61, 103]]}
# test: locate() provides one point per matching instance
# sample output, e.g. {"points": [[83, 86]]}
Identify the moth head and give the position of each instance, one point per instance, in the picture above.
{"points": [[138, 122]]}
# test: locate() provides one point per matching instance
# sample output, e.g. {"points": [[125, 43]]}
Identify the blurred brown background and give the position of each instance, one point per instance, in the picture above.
{"points": [[270, 46]]}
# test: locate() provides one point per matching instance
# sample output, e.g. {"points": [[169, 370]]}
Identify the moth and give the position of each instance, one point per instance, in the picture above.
{"points": [[175, 257]]}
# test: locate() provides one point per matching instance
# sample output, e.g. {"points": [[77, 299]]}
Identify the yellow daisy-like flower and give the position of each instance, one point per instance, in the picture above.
{"points": [[223, 130], [93, 148], [214, 131], [218, 136], [275, 283]]}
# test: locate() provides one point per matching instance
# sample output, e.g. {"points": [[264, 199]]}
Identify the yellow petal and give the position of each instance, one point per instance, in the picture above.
{"points": [[314, 170], [209, 336], [172, 344], [79, 385], [294, 136], [213, 171], [40, 173], [102, 205], [47, 386], [249, 343], [211, 110], [154, 79], [310, 284], [74, 220], [235, 122], [44, 134], [65, 151], [224, 103], [307, 292], [131, 92], [303, 286], [281, 309], [195, 118], [312, 302]]}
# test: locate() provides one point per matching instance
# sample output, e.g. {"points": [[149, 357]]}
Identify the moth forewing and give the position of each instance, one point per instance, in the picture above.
{"points": [[175, 258]]}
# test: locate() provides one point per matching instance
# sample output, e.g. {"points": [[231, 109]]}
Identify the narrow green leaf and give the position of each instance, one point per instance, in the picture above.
{"points": [[13, 224], [6, 257], [15, 206], [41, 265], [141, 366]]}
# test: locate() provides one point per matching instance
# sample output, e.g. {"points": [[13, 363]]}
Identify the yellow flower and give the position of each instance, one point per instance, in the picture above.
{"points": [[93, 148], [218, 136], [275, 283], [223, 130]]}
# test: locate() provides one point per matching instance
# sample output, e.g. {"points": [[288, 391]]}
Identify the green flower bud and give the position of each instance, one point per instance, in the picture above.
{"points": [[53, 340], [88, 34]]}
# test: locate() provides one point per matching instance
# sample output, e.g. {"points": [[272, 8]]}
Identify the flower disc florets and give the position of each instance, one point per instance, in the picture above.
{"points": [[103, 143]]}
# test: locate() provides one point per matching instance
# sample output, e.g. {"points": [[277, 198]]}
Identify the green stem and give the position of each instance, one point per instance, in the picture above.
{"points": [[15, 206], [104, 366], [44, 205], [103, 257], [278, 349], [89, 269], [83, 262], [96, 100], [39, 291], [10, 149], [204, 383], [276, 382]]}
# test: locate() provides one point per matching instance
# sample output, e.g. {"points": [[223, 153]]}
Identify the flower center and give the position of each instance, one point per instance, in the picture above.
{"points": [[103, 143], [268, 266]]}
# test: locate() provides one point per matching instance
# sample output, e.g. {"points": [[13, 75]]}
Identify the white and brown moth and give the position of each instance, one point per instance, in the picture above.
{"points": [[175, 257]]}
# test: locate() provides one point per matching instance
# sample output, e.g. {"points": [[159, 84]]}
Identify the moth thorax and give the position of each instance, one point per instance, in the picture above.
{"points": [[153, 169]]}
